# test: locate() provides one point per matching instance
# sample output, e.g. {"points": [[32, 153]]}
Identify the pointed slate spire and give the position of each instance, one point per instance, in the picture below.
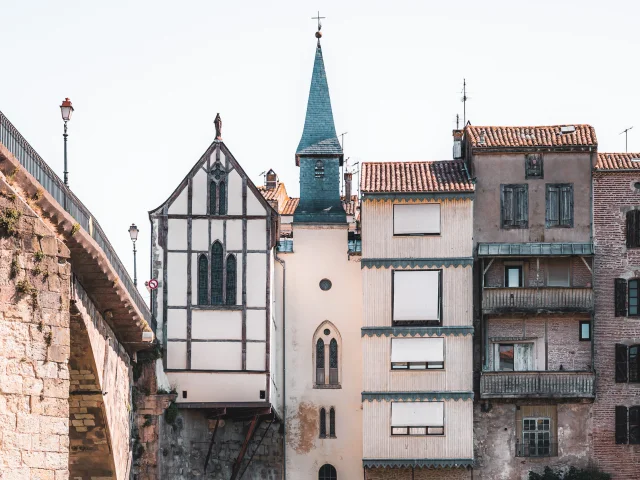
{"points": [[319, 134]]}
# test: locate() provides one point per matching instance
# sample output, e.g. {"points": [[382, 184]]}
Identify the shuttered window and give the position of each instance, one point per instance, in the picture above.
{"points": [[634, 363], [621, 425], [515, 206], [621, 363], [632, 309], [620, 297], [633, 229], [634, 425], [416, 219], [417, 418], [416, 295], [231, 280], [216, 273], [559, 205], [203, 280], [417, 353]]}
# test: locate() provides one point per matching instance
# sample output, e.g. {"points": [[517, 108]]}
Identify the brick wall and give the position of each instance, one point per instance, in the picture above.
{"points": [[534, 277], [614, 194], [417, 474], [34, 345]]}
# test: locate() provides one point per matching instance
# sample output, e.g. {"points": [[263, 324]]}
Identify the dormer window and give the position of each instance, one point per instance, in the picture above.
{"points": [[319, 171]]}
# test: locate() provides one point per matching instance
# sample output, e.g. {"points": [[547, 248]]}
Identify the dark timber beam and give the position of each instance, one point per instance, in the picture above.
{"points": [[250, 433]]}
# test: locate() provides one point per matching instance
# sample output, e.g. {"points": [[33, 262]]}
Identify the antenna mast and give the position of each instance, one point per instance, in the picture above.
{"points": [[464, 101], [343, 163], [625, 131]]}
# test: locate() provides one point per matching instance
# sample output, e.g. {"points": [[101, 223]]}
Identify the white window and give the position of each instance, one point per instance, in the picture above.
{"points": [[511, 357], [417, 418], [558, 272], [416, 295], [417, 353], [416, 219]]}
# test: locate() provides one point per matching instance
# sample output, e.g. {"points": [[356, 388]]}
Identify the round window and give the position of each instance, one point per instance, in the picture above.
{"points": [[327, 331], [636, 185], [325, 284]]}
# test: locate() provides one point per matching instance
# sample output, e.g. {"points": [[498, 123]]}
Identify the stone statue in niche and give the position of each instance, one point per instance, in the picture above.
{"points": [[218, 123]]}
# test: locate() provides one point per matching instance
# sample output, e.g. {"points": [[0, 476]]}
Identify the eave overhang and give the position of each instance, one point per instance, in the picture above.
{"points": [[583, 249], [416, 262], [415, 331], [417, 463], [417, 196], [415, 396], [478, 150]]}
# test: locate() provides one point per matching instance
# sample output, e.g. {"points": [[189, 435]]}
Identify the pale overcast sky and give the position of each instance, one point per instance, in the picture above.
{"points": [[147, 78]]}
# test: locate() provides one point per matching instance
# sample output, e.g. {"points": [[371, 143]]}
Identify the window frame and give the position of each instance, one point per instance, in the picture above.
{"points": [[332, 422], [536, 433], [425, 427], [580, 336], [520, 276], [423, 234], [560, 187], [318, 170], [496, 352], [322, 427], [527, 166], [418, 323], [632, 228], [438, 366], [627, 433], [551, 262], [633, 284], [516, 224], [327, 472]]}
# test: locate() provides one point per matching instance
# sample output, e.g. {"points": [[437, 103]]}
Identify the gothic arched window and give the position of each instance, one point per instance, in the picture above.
{"points": [[231, 280], [216, 273], [333, 362], [327, 472], [203, 280], [332, 423], [222, 199], [323, 423], [319, 171], [320, 362], [213, 195]]}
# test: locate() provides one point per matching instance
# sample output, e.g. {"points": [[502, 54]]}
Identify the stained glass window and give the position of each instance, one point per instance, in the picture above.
{"points": [[231, 280], [320, 353], [333, 353], [222, 199], [212, 198], [203, 280], [216, 273], [332, 422], [323, 423]]}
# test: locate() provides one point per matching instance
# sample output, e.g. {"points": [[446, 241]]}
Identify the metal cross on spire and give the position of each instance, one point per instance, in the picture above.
{"points": [[318, 18]]}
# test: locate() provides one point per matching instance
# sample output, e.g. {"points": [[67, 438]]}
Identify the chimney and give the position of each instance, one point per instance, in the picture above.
{"points": [[271, 181], [347, 186], [457, 144]]}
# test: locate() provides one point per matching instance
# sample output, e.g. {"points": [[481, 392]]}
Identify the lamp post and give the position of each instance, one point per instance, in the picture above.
{"points": [[66, 109], [133, 233]]}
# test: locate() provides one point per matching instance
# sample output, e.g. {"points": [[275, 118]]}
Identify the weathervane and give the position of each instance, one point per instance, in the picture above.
{"points": [[318, 33]]}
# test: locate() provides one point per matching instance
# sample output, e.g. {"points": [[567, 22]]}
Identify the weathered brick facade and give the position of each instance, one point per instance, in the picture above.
{"points": [[417, 474], [614, 194]]}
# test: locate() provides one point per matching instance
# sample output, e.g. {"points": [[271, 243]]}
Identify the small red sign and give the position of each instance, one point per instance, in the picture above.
{"points": [[152, 284]]}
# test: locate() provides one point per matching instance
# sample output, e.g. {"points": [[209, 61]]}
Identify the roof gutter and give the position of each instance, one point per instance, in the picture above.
{"points": [[284, 365]]}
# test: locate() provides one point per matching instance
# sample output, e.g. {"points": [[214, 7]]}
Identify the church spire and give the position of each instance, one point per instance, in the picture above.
{"points": [[319, 134]]}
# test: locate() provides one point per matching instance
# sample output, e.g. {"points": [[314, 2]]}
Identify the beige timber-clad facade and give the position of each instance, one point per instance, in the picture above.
{"points": [[417, 334]]}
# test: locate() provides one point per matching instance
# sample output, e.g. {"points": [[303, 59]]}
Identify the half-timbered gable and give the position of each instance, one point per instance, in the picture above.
{"points": [[212, 253]]}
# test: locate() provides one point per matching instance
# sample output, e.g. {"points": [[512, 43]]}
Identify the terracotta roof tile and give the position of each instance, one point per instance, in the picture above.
{"points": [[290, 206], [618, 161], [350, 208], [415, 177], [271, 193], [549, 136]]}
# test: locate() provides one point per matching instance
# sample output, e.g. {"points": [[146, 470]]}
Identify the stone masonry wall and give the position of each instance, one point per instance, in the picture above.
{"points": [[185, 443], [614, 195], [34, 345]]}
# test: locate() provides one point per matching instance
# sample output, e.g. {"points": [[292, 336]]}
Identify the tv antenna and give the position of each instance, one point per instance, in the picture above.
{"points": [[457, 121], [625, 131], [464, 101], [344, 161]]}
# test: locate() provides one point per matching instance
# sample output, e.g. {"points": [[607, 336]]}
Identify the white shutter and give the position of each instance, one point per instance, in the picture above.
{"points": [[415, 219], [417, 414], [416, 295], [417, 350]]}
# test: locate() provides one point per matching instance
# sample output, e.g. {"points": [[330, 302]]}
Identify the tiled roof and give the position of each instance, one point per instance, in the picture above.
{"points": [[618, 161], [415, 177], [350, 207], [290, 206], [533, 249], [271, 193], [550, 136]]}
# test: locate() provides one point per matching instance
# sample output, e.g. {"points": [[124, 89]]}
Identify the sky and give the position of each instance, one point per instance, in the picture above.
{"points": [[147, 78]]}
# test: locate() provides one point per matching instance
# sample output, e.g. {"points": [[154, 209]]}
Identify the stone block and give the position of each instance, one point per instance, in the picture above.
{"points": [[57, 388], [62, 474], [45, 443], [46, 369], [57, 461], [15, 441], [59, 353], [10, 383], [54, 425], [41, 474], [32, 386], [8, 422], [34, 459], [28, 423], [19, 473]]}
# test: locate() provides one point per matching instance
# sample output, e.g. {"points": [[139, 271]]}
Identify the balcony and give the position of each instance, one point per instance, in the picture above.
{"points": [[552, 299], [556, 384]]}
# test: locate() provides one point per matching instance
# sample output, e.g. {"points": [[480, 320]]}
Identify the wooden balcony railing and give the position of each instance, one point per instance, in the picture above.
{"points": [[543, 298], [560, 384]]}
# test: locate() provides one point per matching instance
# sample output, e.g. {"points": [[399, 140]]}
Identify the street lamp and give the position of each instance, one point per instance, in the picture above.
{"points": [[66, 109], [133, 233]]}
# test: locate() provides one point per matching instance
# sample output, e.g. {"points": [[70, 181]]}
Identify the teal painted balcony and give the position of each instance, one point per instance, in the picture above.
{"points": [[555, 384], [537, 299]]}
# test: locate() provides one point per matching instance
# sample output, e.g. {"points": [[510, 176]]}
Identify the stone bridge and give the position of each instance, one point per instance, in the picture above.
{"points": [[71, 327]]}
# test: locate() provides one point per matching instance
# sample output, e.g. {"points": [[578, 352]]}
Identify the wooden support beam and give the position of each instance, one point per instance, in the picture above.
{"points": [[250, 433], [213, 438], [586, 265]]}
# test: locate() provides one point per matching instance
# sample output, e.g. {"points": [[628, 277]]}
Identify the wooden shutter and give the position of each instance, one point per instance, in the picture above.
{"points": [[634, 425], [521, 198], [621, 363], [632, 229], [621, 425], [507, 206], [620, 297], [553, 206], [566, 205]]}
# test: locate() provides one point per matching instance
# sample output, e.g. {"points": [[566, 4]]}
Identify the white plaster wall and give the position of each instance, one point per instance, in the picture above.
{"points": [[177, 279], [177, 235], [176, 354], [218, 387], [216, 231], [254, 207], [199, 193], [256, 279], [255, 356], [256, 325], [234, 234], [216, 325], [177, 323], [256, 235], [199, 235], [179, 205], [234, 195], [321, 253], [216, 355]]}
